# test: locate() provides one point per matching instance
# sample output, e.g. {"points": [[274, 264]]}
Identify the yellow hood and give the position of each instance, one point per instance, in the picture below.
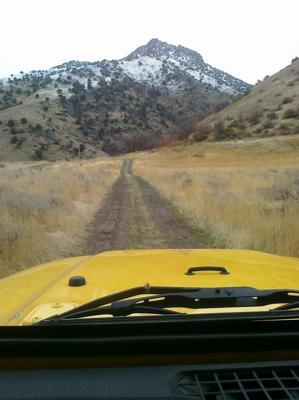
{"points": [[41, 291]]}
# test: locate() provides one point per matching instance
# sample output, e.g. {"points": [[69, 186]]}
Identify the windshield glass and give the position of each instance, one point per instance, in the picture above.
{"points": [[148, 144]]}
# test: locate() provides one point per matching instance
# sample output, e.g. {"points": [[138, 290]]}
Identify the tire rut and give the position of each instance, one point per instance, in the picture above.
{"points": [[134, 216]]}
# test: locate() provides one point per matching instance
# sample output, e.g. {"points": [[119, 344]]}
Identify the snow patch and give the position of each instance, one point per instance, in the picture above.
{"points": [[209, 80], [227, 89], [142, 69]]}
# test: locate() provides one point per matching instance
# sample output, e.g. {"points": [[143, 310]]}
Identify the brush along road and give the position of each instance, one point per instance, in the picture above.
{"points": [[134, 216]]}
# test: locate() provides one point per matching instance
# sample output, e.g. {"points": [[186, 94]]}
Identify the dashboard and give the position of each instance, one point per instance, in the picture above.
{"points": [[276, 380], [153, 358]]}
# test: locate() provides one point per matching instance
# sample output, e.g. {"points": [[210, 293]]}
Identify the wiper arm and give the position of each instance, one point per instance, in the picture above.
{"points": [[167, 297]]}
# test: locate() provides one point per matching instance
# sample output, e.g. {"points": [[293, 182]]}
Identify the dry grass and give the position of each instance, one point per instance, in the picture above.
{"points": [[246, 193], [46, 208]]}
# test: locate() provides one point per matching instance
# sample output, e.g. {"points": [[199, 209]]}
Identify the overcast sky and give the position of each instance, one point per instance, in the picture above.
{"points": [[246, 38]]}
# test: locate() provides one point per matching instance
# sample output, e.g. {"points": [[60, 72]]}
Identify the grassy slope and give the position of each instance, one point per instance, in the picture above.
{"points": [[59, 134], [263, 111], [244, 192]]}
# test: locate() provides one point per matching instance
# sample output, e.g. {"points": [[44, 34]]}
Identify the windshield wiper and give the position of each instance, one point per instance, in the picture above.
{"points": [[119, 304], [288, 306]]}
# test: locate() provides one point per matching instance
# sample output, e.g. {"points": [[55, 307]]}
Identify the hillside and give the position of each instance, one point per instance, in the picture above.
{"points": [[271, 108], [84, 108]]}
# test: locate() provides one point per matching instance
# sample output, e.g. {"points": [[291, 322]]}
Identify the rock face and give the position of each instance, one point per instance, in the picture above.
{"points": [[119, 105]]}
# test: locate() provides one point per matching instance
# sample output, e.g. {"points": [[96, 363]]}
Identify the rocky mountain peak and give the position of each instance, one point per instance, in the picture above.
{"points": [[162, 50]]}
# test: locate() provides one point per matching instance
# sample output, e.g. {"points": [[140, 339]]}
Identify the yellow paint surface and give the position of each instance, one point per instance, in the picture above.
{"points": [[43, 290]]}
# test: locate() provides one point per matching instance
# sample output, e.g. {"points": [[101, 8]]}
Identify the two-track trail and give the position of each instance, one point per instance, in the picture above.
{"points": [[134, 216]]}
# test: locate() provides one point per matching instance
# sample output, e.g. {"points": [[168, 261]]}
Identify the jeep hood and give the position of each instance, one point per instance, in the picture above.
{"points": [[39, 292]]}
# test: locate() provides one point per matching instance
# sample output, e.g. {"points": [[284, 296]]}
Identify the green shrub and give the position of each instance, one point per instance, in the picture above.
{"points": [[291, 113], [18, 141], [38, 154], [14, 139], [11, 123], [272, 115], [37, 127], [284, 129], [287, 100], [23, 120], [268, 125], [296, 129], [200, 138]]}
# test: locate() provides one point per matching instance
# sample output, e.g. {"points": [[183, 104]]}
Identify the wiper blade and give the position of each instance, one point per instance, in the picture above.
{"points": [[181, 297], [118, 309], [288, 306]]}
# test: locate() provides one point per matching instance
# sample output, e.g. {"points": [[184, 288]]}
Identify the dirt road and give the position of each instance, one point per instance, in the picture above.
{"points": [[134, 216]]}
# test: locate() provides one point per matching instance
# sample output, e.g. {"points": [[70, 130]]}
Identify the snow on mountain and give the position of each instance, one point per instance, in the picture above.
{"points": [[143, 69], [156, 64], [174, 58]]}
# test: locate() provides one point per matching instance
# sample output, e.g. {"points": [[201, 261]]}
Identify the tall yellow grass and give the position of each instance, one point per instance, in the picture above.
{"points": [[251, 207], [45, 212]]}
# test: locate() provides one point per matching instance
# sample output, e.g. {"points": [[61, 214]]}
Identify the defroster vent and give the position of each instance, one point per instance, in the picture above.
{"points": [[241, 384]]}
